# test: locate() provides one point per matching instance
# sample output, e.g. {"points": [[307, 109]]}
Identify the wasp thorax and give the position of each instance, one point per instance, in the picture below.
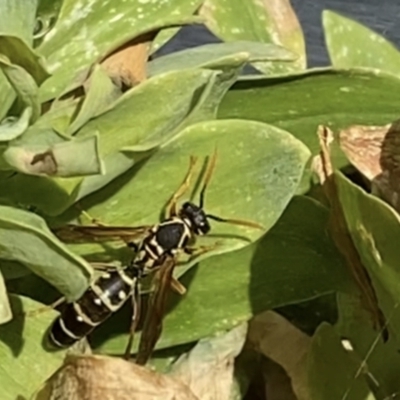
{"points": [[197, 218]]}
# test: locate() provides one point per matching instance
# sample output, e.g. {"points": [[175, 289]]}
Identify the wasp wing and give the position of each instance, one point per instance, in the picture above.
{"points": [[153, 323], [97, 233]]}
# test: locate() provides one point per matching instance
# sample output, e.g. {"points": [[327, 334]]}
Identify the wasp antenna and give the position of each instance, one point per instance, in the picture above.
{"points": [[207, 177], [236, 221]]}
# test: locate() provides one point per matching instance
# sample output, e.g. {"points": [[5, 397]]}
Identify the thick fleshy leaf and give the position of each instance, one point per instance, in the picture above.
{"points": [[144, 118], [25, 237], [76, 157], [203, 56], [371, 222], [150, 109], [253, 158], [72, 46], [101, 92], [25, 363], [227, 70], [17, 18], [226, 290], [332, 373], [5, 309], [7, 95], [11, 128], [17, 22], [301, 102], [13, 270], [351, 44], [267, 22], [19, 53], [140, 120], [23, 84], [46, 16]]}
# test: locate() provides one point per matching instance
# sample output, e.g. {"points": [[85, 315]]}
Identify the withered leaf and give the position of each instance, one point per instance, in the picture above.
{"points": [[279, 340], [375, 152], [340, 234], [127, 65], [107, 378]]}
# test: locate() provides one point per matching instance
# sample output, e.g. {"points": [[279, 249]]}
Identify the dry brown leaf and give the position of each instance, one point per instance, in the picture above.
{"points": [[322, 165], [107, 378], [375, 152], [275, 337], [208, 368], [127, 66]]}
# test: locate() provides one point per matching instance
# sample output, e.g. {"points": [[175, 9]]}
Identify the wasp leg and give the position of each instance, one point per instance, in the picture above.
{"points": [[49, 307], [171, 209], [136, 305], [177, 287], [134, 246], [94, 221], [195, 252], [99, 266]]}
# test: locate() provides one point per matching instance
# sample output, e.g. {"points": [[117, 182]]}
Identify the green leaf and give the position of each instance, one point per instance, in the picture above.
{"points": [[76, 41], [25, 363], [142, 119], [23, 84], [211, 54], [333, 373], [228, 289], [46, 16], [19, 53], [17, 18], [301, 102], [5, 310], [253, 158], [7, 96], [13, 270], [100, 93], [76, 157], [371, 222], [351, 44], [256, 21], [152, 108], [12, 127], [25, 237], [381, 360]]}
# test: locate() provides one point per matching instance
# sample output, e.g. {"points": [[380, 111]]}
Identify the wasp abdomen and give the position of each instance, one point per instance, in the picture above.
{"points": [[105, 296]]}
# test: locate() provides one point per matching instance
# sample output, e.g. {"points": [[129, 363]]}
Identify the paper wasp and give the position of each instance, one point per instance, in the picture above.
{"points": [[157, 252]]}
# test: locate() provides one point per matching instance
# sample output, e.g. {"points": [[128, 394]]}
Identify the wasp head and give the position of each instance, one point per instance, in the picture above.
{"points": [[197, 218]]}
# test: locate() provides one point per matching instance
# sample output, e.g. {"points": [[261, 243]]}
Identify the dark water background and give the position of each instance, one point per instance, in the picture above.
{"points": [[383, 16]]}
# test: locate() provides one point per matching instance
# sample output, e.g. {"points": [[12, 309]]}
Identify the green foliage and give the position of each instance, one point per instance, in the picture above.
{"points": [[72, 139]]}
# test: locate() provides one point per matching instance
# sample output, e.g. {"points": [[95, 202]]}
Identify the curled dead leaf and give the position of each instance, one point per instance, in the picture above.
{"points": [[108, 378], [208, 368], [127, 65], [279, 340], [375, 152]]}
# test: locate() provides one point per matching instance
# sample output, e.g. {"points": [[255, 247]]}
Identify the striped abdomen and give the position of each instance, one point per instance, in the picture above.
{"points": [[104, 297]]}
